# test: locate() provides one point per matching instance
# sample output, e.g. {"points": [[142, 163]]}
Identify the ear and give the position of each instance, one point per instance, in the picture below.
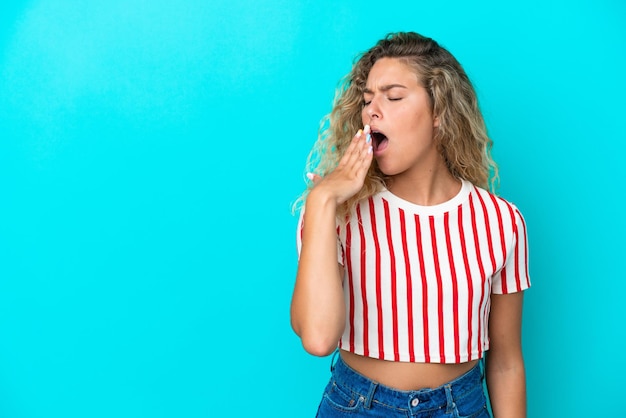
{"points": [[436, 122]]}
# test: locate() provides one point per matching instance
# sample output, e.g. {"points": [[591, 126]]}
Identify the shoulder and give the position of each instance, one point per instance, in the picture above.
{"points": [[492, 199]]}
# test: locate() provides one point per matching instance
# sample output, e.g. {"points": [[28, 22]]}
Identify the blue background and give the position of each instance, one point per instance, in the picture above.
{"points": [[150, 152]]}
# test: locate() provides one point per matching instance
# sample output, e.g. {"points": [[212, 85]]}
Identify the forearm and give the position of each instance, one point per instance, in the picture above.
{"points": [[506, 383], [318, 307]]}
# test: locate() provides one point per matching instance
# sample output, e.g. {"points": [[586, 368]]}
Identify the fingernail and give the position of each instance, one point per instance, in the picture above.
{"points": [[310, 176], [368, 138], [366, 129], [369, 150], [359, 132]]}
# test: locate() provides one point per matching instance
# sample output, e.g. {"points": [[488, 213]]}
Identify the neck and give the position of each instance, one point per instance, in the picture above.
{"points": [[426, 187]]}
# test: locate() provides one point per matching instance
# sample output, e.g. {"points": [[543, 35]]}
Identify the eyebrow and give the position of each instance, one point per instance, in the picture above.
{"points": [[384, 88]]}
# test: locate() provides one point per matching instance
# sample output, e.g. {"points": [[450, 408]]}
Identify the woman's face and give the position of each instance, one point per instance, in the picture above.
{"points": [[398, 109]]}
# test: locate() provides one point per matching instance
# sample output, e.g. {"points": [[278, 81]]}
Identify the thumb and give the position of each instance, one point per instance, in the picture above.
{"points": [[313, 177]]}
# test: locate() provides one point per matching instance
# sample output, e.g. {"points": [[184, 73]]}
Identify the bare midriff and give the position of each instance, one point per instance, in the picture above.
{"points": [[404, 375]]}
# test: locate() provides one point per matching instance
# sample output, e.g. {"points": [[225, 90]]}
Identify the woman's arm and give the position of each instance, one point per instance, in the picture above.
{"points": [[506, 379], [317, 306]]}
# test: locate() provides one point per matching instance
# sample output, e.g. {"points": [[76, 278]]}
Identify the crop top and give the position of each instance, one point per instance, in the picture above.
{"points": [[418, 279]]}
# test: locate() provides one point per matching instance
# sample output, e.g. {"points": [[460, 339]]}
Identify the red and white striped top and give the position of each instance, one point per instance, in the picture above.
{"points": [[418, 279]]}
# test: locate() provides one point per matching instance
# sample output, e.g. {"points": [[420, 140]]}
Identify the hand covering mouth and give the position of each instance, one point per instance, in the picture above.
{"points": [[379, 140]]}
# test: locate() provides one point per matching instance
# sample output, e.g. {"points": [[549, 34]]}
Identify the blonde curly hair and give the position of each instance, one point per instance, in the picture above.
{"points": [[461, 137]]}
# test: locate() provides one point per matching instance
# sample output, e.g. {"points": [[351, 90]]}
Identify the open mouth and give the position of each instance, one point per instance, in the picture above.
{"points": [[379, 141]]}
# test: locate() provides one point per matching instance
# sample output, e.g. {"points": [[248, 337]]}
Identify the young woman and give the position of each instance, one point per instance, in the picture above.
{"points": [[407, 264]]}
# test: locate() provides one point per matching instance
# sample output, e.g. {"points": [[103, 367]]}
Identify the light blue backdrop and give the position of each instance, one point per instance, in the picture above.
{"points": [[150, 152]]}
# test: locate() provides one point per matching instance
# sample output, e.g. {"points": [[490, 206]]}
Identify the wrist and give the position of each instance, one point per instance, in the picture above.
{"points": [[321, 197]]}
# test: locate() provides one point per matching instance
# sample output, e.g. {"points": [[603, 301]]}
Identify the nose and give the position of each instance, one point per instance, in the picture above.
{"points": [[373, 110]]}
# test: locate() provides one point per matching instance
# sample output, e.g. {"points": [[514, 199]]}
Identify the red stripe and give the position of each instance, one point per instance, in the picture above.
{"points": [[485, 312], [481, 268], [502, 243], [366, 350], [470, 288], [455, 289], [379, 296], [343, 256], [394, 286], [433, 237], [518, 279], [420, 252], [348, 253], [409, 287], [492, 256], [343, 260], [525, 247]]}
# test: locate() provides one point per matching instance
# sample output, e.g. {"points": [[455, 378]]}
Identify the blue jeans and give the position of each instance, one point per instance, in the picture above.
{"points": [[350, 394]]}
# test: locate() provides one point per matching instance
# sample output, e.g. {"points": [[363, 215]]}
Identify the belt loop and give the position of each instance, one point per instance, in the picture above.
{"points": [[450, 407], [332, 360], [482, 368], [370, 395]]}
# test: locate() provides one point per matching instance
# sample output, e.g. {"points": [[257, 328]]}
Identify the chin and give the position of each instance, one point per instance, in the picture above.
{"points": [[388, 172], [386, 169]]}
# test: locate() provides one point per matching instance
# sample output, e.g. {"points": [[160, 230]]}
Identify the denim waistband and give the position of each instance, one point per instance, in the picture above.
{"points": [[443, 396]]}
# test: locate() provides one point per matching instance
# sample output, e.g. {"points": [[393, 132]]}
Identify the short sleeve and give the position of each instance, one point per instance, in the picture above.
{"points": [[340, 252], [514, 276]]}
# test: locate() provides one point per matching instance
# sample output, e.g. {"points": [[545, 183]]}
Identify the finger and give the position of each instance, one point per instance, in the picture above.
{"points": [[367, 131], [367, 155], [314, 177], [365, 147], [352, 152], [363, 164]]}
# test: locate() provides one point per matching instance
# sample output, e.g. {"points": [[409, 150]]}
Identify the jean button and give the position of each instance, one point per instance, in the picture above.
{"points": [[415, 402]]}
